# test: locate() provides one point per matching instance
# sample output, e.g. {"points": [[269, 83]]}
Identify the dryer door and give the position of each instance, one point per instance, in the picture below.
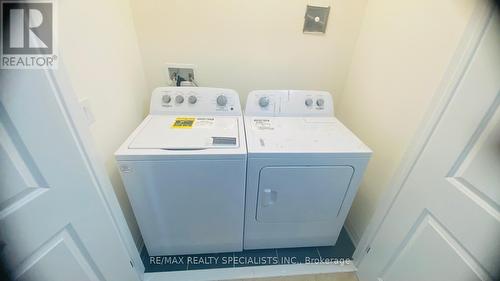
{"points": [[302, 193]]}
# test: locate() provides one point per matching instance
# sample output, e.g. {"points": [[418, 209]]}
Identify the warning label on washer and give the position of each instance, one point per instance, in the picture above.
{"points": [[204, 122], [262, 124]]}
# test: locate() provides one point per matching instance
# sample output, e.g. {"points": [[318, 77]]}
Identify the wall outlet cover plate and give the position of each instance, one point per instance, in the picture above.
{"points": [[316, 19]]}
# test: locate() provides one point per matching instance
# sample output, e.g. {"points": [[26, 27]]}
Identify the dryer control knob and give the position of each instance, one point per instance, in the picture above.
{"points": [[192, 99], [166, 98], [320, 102], [264, 101], [179, 99], [221, 100], [309, 102]]}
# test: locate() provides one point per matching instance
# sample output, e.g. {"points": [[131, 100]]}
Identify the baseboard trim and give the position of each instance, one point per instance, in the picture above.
{"points": [[249, 272]]}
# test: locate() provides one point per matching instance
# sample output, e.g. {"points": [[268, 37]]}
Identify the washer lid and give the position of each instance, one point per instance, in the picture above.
{"points": [[188, 133]]}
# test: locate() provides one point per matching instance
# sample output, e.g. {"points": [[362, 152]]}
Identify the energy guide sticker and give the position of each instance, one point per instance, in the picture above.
{"points": [[183, 123]]}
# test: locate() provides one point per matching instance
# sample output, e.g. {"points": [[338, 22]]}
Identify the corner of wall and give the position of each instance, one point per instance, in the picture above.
{"points": [[351, 231]]}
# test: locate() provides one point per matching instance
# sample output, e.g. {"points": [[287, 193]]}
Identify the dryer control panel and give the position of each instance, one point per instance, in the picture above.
{"points": [[289, 103], [195, 100]]}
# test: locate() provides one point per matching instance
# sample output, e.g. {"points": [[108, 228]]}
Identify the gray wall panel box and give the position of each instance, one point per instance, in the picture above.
{"points": [[316, 19]]}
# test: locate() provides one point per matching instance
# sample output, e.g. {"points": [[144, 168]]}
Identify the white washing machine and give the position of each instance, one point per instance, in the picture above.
{"points": [[304, 168], [184, 171]]}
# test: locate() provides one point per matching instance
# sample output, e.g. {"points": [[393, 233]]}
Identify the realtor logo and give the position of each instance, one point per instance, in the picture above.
{"points": [[27, 35]]}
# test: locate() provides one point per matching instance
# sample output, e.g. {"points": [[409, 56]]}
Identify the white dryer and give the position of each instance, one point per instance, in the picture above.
{"points": [[184, 171], [304, 168]]}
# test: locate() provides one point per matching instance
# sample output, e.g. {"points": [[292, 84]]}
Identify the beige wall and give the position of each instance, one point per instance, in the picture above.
{"points": [[247, 45], [402, 53], [98, 45]]}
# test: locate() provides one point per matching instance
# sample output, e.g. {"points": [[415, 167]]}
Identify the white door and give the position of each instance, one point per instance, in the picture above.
{"points": [[445, 222], [53, 221]]}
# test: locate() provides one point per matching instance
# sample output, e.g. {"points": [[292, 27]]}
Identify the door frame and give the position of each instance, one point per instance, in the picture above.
{"points": [[78, 124], [456, 69]]}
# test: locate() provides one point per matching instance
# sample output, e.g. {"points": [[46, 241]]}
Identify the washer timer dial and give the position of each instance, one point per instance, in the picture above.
{"points": [[221, 100]]}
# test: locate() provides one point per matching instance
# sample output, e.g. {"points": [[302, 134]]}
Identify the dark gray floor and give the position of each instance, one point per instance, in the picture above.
{"points": [[338, 253]]}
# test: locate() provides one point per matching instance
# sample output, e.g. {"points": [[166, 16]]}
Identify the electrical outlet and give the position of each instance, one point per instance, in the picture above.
{"points": [[316, 19], [178, 74]]}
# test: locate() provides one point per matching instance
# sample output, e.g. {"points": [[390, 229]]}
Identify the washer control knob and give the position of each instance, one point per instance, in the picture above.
{"points": [[221, 100], [309, 102], [192, 99], [166, 99], [264, 101], [179, 99], [320, 102]]}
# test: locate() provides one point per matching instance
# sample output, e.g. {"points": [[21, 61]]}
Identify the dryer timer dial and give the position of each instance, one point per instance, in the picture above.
{"points": [[264, 101]]}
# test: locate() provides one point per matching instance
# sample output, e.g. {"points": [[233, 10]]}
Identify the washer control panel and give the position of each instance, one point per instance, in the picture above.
{"points": [[289, 103], [195, 100]]}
